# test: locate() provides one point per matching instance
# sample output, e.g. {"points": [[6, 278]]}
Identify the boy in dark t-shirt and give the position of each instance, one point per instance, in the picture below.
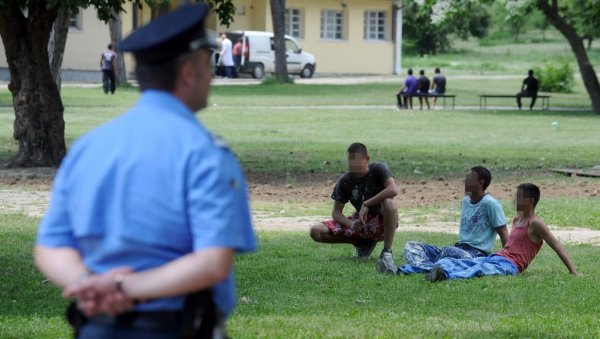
{"points": [[371, 189], [423, 88]]}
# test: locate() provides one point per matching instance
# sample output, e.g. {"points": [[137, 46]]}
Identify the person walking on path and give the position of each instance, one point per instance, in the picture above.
{"points": [[107, 65]]}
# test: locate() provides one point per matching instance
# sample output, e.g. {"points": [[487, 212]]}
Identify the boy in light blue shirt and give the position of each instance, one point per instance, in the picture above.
{"points": [[481, 219]]}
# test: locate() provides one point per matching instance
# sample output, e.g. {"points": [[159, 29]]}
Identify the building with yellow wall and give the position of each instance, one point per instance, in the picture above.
{"points": [[346, 36]]}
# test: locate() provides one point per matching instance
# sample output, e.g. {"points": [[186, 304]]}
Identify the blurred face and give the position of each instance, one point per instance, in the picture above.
{"points": [[523, 203], [358, 163], [472, 183]]}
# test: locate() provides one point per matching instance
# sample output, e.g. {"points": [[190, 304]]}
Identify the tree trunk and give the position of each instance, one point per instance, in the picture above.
{"points": [[116, 35], [588, 75], [39, 125], [278, 14], [56, 45]]}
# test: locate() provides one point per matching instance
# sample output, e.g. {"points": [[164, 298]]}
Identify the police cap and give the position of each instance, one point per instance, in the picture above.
{"points": [[170, 35]]}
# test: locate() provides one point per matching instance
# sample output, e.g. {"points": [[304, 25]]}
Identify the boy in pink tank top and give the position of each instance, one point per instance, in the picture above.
{"points": [[524, 242]]}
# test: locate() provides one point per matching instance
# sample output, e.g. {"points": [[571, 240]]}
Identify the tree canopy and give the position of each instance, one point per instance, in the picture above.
{"points": [[570, 17], [25, 27], [428, 33]]}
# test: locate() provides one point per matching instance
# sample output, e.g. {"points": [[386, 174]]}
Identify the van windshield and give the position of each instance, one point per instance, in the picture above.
{"points": [[291, 46]]}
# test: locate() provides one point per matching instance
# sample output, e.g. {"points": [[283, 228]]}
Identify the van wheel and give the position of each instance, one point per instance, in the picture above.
{"points": [[307, 72], [258, 72]]}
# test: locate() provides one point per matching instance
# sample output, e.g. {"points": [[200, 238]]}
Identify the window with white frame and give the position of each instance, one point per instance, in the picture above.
{"points": [[332, 25], [374, 25], [293, 22]]}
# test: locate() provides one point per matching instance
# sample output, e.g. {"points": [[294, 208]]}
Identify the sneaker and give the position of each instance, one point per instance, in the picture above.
{"points": [[436, 274], [364, 248], [385, 264]]}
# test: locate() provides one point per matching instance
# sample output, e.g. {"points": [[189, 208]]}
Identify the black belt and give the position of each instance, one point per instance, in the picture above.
{"points": [[159, 321]]}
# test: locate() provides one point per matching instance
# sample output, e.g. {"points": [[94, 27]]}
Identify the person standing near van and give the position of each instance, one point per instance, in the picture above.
{"points": [[107, 64], [237, 53], [226, 56]]}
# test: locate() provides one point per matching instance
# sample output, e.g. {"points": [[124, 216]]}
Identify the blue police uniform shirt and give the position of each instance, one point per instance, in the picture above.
{"points": [[478, 222], [146, 188]]}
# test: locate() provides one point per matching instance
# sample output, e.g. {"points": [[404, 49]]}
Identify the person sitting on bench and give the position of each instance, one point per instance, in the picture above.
{"points": [[529, 89], [423, 89], [438, 85], [408, 90]]}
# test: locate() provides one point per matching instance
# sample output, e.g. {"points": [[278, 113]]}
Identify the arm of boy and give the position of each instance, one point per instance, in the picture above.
{"points": [[542, 231], [503, 234], [389, 192], [338, 215]]}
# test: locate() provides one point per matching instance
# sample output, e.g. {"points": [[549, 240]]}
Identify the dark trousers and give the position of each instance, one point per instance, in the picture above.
{"points": [[108, 81], [421, 96], [407, 100], [526, 94], [229, 71]]}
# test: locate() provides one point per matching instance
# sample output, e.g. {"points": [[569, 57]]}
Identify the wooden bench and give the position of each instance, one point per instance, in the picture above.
{"points": [[430, 95], [483, 99]]}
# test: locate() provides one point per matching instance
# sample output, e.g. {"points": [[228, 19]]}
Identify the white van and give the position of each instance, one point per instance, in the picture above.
{"points": [[258, 56]]}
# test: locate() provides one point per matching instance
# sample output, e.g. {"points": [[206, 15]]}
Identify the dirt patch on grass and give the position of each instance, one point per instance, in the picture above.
{"points": [[413, 193], [27, 191]]}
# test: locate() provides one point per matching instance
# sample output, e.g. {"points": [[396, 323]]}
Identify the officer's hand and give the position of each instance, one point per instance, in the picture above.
{"points": [[98, 293]]}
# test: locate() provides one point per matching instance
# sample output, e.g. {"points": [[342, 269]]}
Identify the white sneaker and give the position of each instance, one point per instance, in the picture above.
{"points": [[385, 264]]}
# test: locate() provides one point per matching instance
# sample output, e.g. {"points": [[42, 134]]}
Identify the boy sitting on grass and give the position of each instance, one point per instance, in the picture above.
{"points": [[525, 240]]}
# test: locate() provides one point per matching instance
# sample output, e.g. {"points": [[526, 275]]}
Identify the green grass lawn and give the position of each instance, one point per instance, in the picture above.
{"points": [[277, 129], [297, 288]]}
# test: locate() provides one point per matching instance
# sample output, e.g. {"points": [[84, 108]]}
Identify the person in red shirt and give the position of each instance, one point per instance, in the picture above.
{"points": [[237, 53], [528, 234]]}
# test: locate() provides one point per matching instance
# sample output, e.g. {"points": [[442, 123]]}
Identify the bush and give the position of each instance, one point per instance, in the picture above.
{"points": [[556, 77]]}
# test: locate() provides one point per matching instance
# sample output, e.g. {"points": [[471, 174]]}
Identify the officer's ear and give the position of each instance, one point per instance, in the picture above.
{"points": [[186, 72]]}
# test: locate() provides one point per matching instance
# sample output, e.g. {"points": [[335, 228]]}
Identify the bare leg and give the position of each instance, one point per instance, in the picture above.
{"points": [[427, 102], [320, 233], [390, 223]]}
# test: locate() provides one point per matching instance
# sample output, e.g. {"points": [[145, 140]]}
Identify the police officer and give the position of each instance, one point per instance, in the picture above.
{"points": [[148, 210]]}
